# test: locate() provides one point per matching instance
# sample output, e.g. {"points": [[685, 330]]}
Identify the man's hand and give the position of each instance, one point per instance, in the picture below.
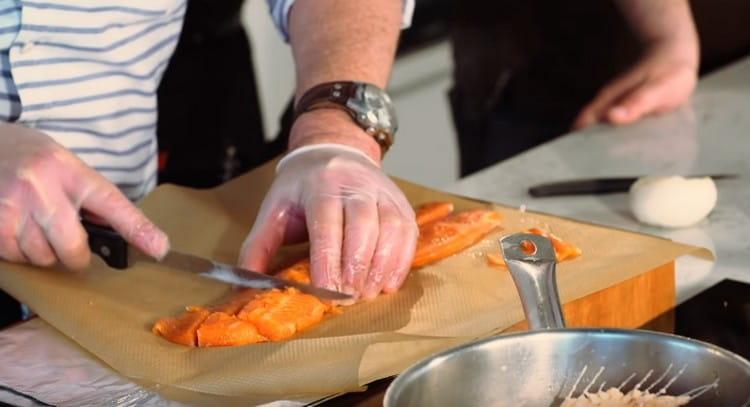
{"points": [[663, 78], [361, 228], [42, 188]]}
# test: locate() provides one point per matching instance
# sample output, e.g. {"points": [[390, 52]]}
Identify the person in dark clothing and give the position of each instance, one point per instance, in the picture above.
{"points": [[209, 89], [526, 72]]}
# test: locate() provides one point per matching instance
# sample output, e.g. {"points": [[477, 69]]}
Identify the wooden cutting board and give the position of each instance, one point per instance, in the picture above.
{"points": [[629, 304]]}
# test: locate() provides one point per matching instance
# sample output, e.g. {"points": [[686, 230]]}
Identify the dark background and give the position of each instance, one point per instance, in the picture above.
{"points": [[723, 25]]}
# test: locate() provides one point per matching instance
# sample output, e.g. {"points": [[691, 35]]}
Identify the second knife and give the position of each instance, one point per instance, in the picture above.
{"points": [[595, 186]]}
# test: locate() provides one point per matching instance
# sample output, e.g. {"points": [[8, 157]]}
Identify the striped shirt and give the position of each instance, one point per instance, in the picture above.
{"points": [[85, 72]]}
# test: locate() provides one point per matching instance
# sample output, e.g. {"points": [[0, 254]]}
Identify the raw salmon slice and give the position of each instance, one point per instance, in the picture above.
{"points": [[563, 250], [237, 300], [221, 329], [181, 329], [298, 272], [455, 232], [496, 259], [279, 314], [432, 211], [452, 234]]}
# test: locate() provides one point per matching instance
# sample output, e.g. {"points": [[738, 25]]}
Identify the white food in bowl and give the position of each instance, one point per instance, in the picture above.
{"points": [[672, 201]]}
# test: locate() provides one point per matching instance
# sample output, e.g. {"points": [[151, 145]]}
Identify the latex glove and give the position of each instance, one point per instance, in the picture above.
{"points": [[361, 228], [663, 79], [42, 188]]}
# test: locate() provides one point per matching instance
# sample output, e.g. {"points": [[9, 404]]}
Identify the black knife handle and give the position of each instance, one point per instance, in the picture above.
{"points": [[581, 187], [106, 243], [599, 185]]}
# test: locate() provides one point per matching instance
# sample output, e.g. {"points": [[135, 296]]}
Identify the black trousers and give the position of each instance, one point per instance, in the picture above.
{"points": [[210, 127], [523, 70]]}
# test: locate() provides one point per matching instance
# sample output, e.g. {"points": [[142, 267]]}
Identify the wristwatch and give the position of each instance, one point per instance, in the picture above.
{"points": [[368, 105]]}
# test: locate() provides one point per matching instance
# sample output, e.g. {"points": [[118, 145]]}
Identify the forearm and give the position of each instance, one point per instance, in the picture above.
{"points": [[663, 23], [663, 77], [341, 40]]}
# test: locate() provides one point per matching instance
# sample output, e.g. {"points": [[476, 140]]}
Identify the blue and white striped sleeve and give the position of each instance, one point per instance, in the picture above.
{"points": [[280, 14]]}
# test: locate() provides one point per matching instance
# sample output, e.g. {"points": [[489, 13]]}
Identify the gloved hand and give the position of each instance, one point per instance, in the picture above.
{"points": [[361, 228], [42, 188]]}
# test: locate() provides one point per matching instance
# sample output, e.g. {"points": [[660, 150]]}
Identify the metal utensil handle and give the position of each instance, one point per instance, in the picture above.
{"points": [[107, 244], [531, 261]]}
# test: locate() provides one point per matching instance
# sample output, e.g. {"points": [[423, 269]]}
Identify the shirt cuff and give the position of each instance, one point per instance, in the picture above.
{"points": [[280, 14]]}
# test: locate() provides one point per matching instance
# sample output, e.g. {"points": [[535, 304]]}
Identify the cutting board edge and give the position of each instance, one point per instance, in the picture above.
{"points": [[628, 304]]}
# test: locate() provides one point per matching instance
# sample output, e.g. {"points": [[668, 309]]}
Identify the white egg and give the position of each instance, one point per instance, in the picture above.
{"points": [[672, 201]]}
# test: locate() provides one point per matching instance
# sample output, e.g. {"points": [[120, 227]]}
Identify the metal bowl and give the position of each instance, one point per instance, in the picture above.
{"points": [[541, 368], [544, 366]]}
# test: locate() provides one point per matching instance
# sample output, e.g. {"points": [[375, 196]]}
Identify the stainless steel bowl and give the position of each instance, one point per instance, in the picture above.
{"points": [[543, 367]]}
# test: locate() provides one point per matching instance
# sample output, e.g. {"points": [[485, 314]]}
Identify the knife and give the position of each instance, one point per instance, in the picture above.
{"points": [[113, 249], [597, 186]]}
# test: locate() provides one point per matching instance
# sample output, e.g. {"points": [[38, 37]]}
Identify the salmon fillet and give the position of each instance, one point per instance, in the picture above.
{"points": [[298, 272], [182, 329], [452, 234], [221, 329], [252, 316], [279, 314], [432, 211], [235, 303]]}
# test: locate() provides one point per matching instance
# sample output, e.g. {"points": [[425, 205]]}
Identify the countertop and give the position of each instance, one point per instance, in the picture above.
{"points": [[710, 135]]}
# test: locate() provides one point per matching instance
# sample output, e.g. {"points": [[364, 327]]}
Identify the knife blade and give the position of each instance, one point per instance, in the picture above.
{"points": [[597, 186], [240, 276], [113, 249]]}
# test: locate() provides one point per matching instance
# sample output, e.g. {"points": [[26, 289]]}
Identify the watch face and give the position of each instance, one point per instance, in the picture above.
{"points": [[374, 109]]}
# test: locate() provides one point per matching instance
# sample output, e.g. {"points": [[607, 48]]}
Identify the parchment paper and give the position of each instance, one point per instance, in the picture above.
{"points": [[110, 313]]}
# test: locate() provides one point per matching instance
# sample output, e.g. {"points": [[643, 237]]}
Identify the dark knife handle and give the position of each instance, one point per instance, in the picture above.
{"points": [[581, 187], [106, 243], [600, 185]]}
